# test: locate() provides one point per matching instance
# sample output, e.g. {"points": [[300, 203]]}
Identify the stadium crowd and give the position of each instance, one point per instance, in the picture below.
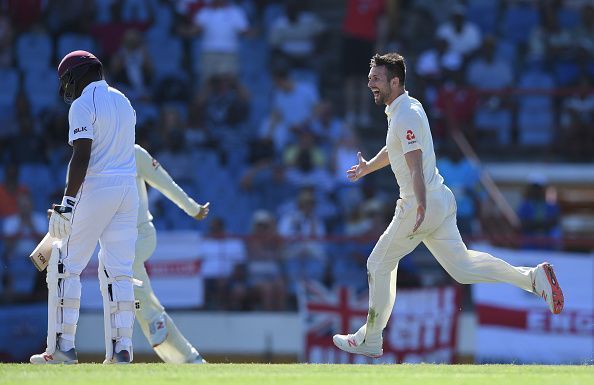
{"points": [[249, 106]]}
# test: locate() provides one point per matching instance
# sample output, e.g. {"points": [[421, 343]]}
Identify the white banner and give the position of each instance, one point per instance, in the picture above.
{"points": [[517, 326], [175, 271]]}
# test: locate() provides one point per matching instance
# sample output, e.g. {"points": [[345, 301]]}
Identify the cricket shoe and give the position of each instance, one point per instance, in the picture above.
{"points": [[349, 344], [545, 285], [121, 357], [58, 357], [158, 330]]}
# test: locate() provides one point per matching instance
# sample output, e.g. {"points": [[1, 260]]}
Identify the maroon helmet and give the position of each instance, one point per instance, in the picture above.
{"points": [[72, 68]]}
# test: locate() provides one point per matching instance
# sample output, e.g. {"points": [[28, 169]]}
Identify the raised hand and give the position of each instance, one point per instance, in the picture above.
{"points": [[359, 170], [203, 213]]}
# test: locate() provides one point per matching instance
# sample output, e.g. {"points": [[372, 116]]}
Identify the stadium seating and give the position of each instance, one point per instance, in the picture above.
{"points": [[34, 51]]}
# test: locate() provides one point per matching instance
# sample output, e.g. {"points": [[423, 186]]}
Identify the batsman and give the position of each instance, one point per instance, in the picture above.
{"points": [[100, 204]]}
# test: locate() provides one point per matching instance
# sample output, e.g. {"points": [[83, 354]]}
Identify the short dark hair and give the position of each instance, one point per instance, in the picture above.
{"points": [[394, 64]]}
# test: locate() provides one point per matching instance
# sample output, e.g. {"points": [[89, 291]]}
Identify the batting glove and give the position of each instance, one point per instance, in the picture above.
{"points": [[59, 223]]}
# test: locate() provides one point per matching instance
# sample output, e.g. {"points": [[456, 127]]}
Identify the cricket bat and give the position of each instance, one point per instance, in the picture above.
{"points": [[41, 255]]}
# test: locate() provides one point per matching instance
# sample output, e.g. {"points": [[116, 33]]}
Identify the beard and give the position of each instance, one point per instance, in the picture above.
{"points": [[381, 97]]}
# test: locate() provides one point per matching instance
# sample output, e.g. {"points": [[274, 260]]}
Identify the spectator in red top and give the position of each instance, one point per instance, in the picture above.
{"points": [[10, 191], [364, 28], [455, 105]]}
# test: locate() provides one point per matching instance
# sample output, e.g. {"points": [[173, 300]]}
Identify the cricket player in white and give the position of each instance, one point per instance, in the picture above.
{"points": [[100, 204], [157, 326], [425, 212]]}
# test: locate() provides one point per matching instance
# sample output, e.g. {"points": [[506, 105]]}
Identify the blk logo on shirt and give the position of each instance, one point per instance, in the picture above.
{"points": [[80, 129], [410, 135]]}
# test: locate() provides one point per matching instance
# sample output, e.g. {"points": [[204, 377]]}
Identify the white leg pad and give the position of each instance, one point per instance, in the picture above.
{"points": [[118, 310], [63, 301]]}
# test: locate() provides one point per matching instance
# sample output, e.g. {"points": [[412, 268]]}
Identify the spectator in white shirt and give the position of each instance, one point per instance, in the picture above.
{"points": [[221, 25], [463, 36], [294, 34]]}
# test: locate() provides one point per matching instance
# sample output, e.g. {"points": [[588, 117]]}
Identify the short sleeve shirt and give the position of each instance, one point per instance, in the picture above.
{"points": [[408, 130]]}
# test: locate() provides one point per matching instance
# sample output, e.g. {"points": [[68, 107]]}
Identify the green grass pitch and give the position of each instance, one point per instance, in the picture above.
{"points": [[297, 374]]}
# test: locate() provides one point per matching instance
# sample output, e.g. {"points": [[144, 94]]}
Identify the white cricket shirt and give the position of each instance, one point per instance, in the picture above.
{"points": [[106, 116], [408, 130], [151, 172]]}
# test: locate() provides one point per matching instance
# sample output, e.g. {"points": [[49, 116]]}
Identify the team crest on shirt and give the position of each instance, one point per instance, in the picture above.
{"points": [[410, 136]]}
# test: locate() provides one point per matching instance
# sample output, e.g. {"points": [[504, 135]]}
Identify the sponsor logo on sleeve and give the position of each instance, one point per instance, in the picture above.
{"points": [[410, 136], [80, 129]]}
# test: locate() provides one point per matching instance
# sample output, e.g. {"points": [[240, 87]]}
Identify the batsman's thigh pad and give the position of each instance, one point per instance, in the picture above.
{"points": [[63, 300]]}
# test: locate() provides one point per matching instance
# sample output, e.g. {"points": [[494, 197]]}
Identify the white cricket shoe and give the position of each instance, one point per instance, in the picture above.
{"points": [[59, 357], [158, 330], [349, 344], [545, 285]]}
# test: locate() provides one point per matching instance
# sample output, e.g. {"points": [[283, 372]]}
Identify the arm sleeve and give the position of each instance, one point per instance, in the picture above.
{"points": [[155, 175], [80, 120], [407, 130]]}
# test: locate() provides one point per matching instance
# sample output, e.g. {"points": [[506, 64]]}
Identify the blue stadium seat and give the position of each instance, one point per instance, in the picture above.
{"points": [[518, 22], [568, 17], [484, 14], [34, 51], [498, 121], [69, 42], [566, 72], [535, 127], [41, 87], [38, 179], [536, 79], [166, 55]]}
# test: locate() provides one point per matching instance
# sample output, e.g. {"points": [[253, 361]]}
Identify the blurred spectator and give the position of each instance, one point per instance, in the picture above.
{"points": [[305, 163], [540, 218], [138, 10], [327, 126], [6, 40], [131, 65], [464, 179], [576, 139], [222, 268], [25, 13], [583, 34], [455, 106], [21, 231], [549, 40], [221, 24], [264, 267], [364, 31], [304, 261], [26, 146], [224, 102], [69, 16], [431, 68], [11, 190], [488, 72], [295, 101], [463, 36], [302, 222], [294, 35]]}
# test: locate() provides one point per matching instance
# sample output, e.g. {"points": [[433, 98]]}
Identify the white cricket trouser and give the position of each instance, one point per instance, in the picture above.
{"points": [[175, 349], [106, 211], [440, 234]]}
